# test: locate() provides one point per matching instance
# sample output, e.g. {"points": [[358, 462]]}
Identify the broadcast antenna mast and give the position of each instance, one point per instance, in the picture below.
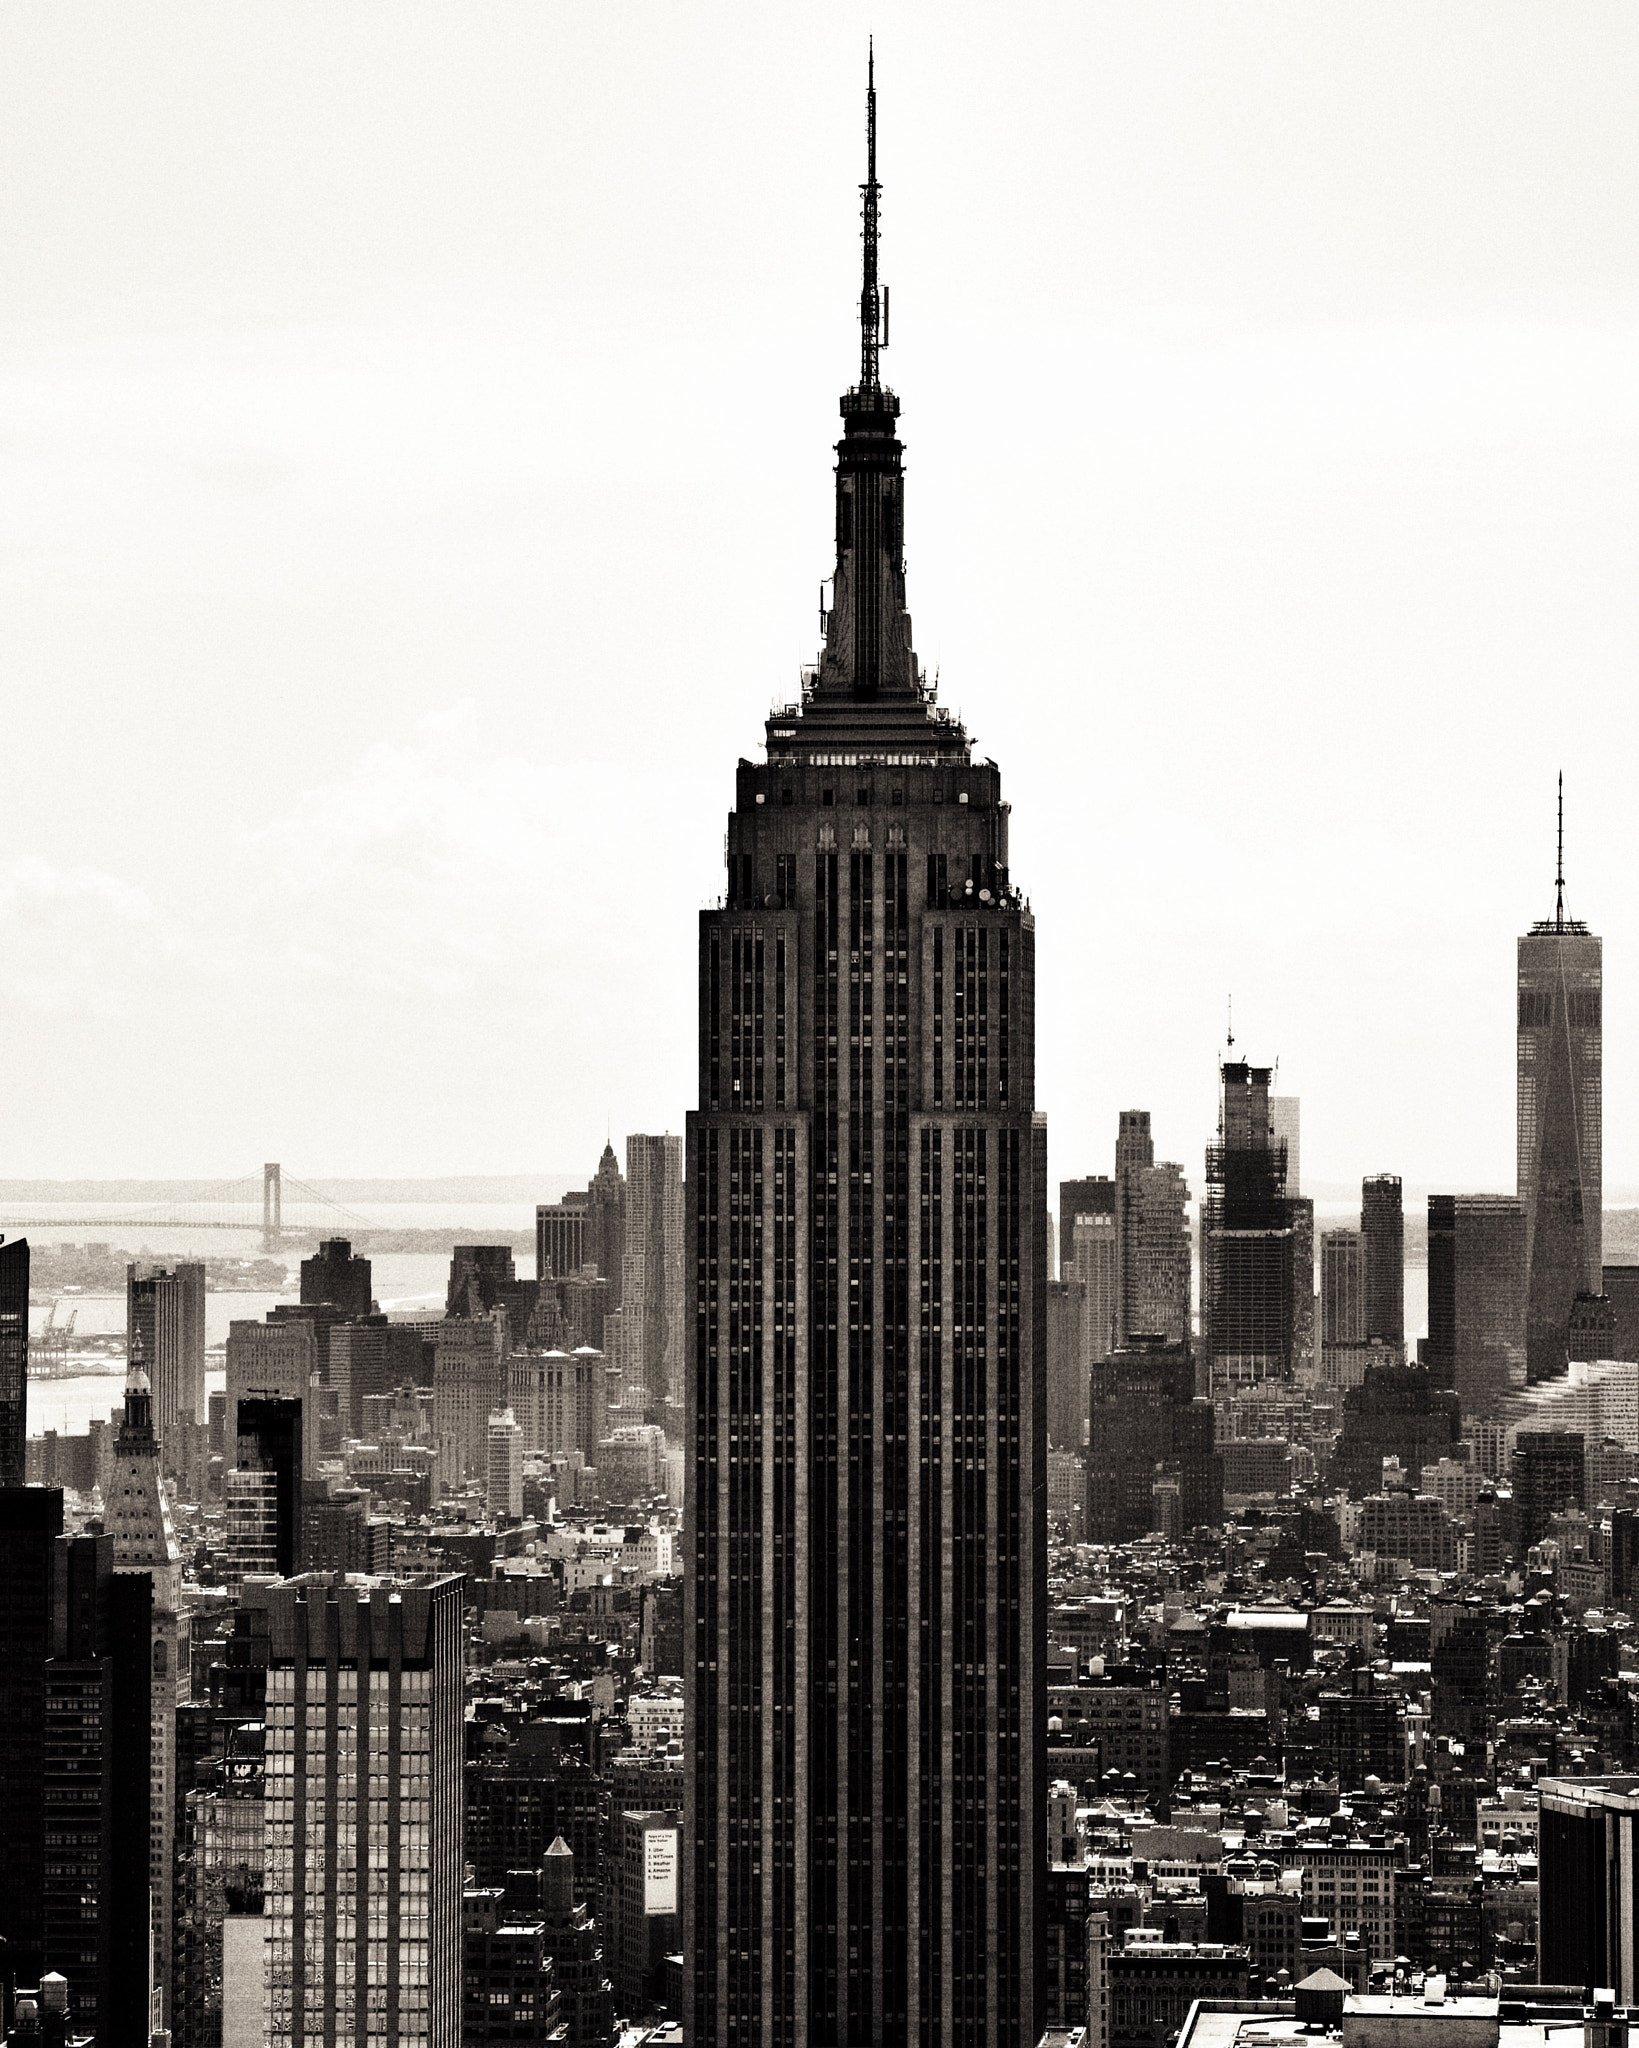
{"points": [[1559, 873], [873, 304]]}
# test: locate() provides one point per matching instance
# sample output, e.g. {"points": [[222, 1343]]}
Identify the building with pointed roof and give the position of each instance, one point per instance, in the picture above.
{"points": [[137, 1515], [866, 1214], [1559, 1122]]}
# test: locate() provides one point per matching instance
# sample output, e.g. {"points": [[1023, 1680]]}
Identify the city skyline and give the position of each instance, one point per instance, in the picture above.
{"points": [[844, 1571], [1358, 454]]}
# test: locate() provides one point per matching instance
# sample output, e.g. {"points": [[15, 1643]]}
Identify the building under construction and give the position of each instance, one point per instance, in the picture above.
{"points": [[1257, 1281]]}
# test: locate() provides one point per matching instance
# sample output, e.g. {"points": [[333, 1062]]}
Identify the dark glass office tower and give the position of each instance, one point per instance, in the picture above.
{"points": [[1383, 1253], [866, 1216], [270, 1441], [13, 1360], [1561, 971]]}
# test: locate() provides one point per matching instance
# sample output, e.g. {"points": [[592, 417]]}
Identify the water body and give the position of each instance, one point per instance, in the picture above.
{"points": [[402, 1281]]}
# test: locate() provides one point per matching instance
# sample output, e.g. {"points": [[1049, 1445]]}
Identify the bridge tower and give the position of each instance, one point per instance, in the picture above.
{"points": [[272, 1203]]}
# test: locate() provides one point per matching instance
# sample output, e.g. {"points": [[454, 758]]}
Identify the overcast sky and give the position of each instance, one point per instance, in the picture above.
{"points": [[416, 435]]}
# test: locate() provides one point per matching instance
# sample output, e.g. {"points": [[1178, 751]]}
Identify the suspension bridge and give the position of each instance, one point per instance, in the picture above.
{"points": [[272, 1202]]}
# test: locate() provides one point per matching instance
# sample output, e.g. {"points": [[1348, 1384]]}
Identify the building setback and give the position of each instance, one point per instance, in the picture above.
{"points": [[867, 1219]]}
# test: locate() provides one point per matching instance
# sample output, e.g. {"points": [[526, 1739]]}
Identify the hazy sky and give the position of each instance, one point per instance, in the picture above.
{"points": [[416, 435]]}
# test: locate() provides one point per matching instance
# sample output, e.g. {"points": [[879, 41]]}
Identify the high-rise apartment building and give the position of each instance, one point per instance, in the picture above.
{"points": [[1476, 1298], [867, 1207], [364, 1805], [504, 1481], [1134, 1151], [1150, 1204], [14, 1267], [1342, 1287], [1095, 1260], [1155, 1255], [1560, 1123], [336, 1277], [1251, 1264], [1383, 1253], [653, 1273], [165, 1335]]}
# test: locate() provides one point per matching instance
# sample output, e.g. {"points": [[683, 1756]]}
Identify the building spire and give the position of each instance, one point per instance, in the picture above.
{"points": [[873, 335], [1559, 871]]}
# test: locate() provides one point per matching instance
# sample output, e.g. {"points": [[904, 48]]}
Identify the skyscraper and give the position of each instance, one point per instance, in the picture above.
{"points": [[1383, 1248], [1152, 1234], [364, 1806], [1066, 1364], [137, 1516], [1590, 1852], [504, 1479], [1146, 1423], [1134, 1150], [1155, 1262], [1342, 1288], [1095, 1260], [75, 1755], [1285, 1123], [1559, 1122], [1076, 1198], [335, 1277], [1251, 1270], [13, 1360], [652, 1285], [866, 1207], [1476, 1298], [269, 1445], [165, 1335]]}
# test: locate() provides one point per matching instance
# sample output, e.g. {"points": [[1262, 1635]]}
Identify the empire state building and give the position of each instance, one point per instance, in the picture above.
{"points": [[866, 1216]]}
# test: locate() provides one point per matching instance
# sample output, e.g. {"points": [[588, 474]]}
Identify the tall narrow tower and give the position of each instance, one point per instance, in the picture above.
{"points": [[1561, 971], [866, 1218]]}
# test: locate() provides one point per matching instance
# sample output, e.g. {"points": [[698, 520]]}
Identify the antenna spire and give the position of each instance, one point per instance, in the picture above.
{"points": [[1559, 870], [871, 337]]}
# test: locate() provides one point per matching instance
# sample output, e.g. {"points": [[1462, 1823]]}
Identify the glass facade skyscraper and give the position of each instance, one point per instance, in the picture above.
{"points": [[1560, 1027]]}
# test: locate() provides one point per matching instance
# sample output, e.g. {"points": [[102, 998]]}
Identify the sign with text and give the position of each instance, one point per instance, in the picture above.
{"points": [[660, 1871]]}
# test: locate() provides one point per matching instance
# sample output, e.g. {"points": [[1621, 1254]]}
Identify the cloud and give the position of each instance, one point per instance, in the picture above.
{"points": [[442, 863], [73, 936]]}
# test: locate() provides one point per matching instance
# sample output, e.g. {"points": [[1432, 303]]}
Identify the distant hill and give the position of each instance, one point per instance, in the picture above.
{"points": [[463, 1187]]}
